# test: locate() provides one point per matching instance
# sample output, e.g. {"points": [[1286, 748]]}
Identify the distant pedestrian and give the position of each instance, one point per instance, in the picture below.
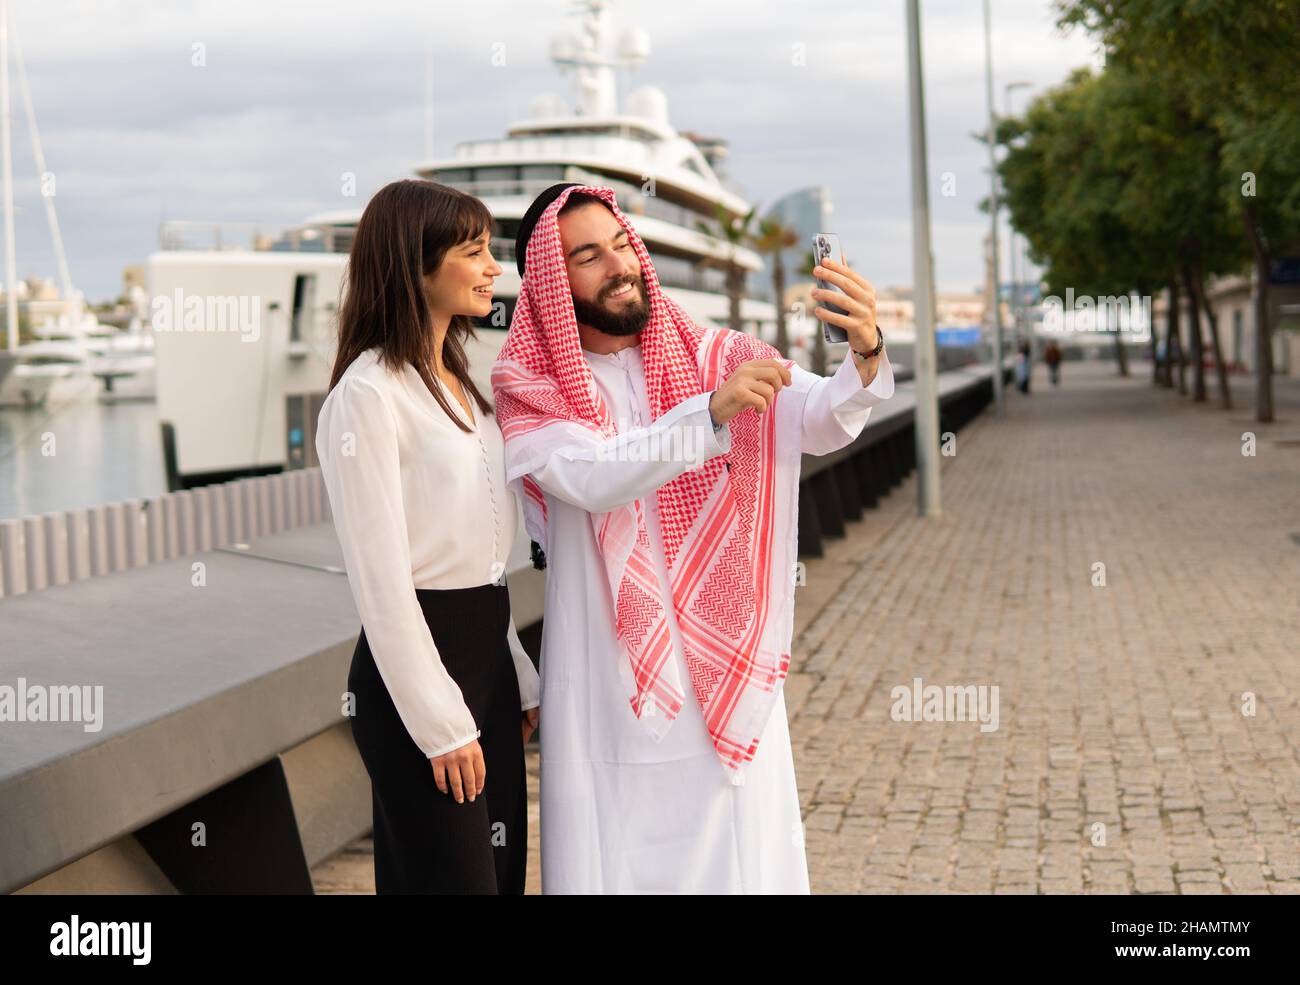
{"points": [[1052, 356], [1022, 368]]}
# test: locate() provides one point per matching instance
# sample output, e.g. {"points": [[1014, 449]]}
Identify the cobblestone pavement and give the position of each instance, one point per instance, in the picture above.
{"points": [[1123, 761], [1120, 706]]}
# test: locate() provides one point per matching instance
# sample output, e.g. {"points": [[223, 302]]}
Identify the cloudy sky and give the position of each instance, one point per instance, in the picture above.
{"points": [[293, 93]]}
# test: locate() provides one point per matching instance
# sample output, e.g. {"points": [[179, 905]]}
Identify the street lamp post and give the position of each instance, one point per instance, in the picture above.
{"points": [[996, 300], [1017, 267], [926, 415]]}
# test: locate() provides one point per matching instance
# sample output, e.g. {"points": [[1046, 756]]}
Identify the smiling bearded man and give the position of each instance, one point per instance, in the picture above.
{"points": [[665, 749]]}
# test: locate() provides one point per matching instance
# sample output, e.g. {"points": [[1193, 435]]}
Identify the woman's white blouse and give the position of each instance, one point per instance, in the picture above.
{"points": [[417, 503]]}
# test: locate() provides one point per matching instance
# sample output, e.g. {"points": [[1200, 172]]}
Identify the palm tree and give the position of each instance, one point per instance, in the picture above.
{"points": [[735, 230], [772, 239]]}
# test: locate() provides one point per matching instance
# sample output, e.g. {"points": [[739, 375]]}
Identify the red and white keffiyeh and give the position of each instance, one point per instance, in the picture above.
{"points": [[723, 529]]}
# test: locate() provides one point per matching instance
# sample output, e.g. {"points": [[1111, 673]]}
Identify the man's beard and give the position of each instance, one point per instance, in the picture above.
{"points": [[629, 319]]}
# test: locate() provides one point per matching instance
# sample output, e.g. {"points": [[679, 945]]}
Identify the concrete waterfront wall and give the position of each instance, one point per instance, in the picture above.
{"points": [[37, 552]]}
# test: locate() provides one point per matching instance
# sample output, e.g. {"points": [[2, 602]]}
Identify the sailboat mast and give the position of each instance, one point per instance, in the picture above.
{"points": [[6, 152], [38, 152]]}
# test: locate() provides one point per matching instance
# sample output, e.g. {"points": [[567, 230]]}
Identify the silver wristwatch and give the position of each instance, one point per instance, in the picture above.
{"points": [[716, 426]]}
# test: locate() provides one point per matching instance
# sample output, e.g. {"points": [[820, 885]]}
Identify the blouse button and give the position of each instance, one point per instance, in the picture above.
{"points": [[492, 495]]}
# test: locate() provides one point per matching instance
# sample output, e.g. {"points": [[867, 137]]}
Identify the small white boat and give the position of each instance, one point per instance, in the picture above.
{"points": [[71, 359], [124, 363], [43, 370]]}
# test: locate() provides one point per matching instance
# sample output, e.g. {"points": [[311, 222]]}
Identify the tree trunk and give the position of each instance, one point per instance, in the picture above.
{"points": [[1194, 338], [735, 291], [1220, 370], [1171, 336], [1182, 354], [1120, 355], [778, 285], [1263, 335], [819, 348]]}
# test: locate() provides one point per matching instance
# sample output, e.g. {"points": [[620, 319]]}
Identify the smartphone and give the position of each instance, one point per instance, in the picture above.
{"points": [[827, 245]]}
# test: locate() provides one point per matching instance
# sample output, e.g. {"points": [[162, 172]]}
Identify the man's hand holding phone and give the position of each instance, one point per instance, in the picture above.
{"points": [[858, 301]]}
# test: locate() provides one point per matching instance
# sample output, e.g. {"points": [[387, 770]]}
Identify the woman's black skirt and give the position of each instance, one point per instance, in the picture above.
{"points": [[425, 842]]}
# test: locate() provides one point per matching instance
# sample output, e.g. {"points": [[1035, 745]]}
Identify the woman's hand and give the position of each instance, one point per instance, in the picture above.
{"points": [[531, 717], [462, 769]]}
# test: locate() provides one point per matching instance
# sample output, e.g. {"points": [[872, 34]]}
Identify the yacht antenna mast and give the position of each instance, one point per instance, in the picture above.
{"points": [[585, 55]]}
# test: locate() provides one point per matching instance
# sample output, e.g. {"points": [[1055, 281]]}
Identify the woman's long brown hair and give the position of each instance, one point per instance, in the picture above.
{"points": [[403, 235]]}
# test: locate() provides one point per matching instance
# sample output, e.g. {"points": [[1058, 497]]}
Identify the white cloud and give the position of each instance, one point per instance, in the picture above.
{"points": [[294, 92]]}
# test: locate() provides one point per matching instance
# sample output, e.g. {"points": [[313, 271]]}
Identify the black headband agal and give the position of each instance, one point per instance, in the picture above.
{"points": [[529, 221]]}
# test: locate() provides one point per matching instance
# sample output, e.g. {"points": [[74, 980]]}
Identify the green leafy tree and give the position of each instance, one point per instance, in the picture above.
{"points": [[1116, 185], [1063, 192], [1234, 62]]}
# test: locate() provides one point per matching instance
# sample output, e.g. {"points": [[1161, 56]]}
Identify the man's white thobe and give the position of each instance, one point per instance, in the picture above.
{"points": [[621, 813]]}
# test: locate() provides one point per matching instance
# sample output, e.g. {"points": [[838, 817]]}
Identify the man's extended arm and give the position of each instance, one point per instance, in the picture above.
{"points": [[837, 407]]}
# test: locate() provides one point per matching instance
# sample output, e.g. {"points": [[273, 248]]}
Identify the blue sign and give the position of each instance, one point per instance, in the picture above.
{"points": [[957, 336]]}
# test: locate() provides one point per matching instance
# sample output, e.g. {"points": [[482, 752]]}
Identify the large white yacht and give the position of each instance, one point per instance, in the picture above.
{"points": [[244, 338]]}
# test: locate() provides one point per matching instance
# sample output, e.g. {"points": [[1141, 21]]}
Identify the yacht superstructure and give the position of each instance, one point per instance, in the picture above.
{"points": [[244, 338]]}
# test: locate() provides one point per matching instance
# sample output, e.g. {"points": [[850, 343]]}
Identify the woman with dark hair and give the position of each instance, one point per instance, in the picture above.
{"points": [[443, 694]]}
